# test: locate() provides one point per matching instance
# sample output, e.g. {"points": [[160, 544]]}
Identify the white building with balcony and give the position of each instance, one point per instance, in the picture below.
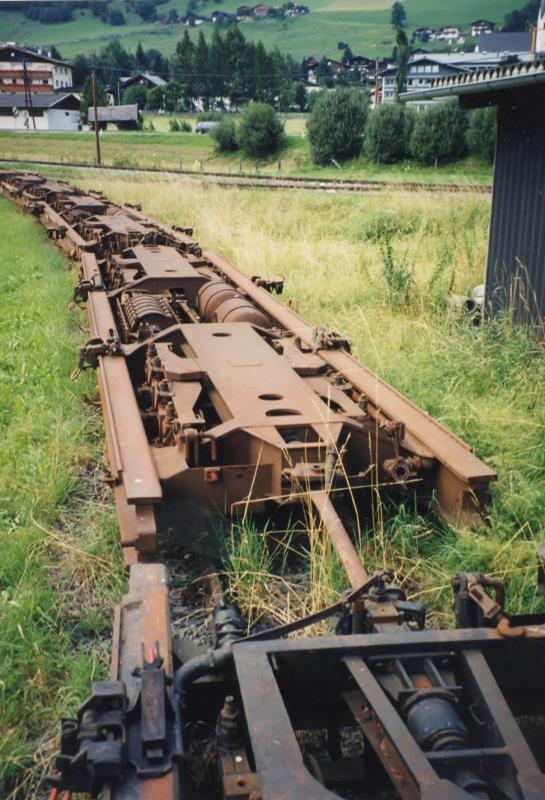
{"points": [[41, 72]]}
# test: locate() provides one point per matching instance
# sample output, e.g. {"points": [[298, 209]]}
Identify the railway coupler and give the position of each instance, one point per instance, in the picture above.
{"points": [[475, 608], [111, 737]]}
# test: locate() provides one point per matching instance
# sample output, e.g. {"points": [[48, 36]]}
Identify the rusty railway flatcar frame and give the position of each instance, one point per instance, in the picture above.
{"points": [[124, 257], [214, 393]]}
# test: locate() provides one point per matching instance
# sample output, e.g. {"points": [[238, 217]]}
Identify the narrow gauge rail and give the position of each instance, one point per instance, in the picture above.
{"points": [[246, 180], [215, 394]]}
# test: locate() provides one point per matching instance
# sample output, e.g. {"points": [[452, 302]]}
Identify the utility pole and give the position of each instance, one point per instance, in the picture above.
{"points": [[28, 95], [97, 137]]}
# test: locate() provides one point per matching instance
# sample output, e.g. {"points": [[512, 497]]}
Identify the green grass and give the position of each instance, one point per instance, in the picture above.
{"points": [[365, 24], [193, 151], [59, 564], [294, 124]]}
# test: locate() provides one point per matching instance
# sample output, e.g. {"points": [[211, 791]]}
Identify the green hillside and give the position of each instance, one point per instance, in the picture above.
{"points": [[364, 24]]}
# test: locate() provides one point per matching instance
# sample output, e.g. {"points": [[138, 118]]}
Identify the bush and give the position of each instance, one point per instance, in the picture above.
{"points": [[335, 129], [146, 11], [163, 97], [225, 136], [439, 134], [116, 17], [149, 126], [177, 125], [399, 278], [210, 116], [481, 133], [387, 133], [260, 132], [136, 94], [313, 99]]}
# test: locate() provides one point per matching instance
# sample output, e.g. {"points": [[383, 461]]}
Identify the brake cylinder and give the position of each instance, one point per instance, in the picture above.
{"points": [[217, 301]]}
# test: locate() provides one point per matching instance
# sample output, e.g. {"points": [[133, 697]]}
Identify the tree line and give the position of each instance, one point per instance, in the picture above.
{"points": [[522, 19], [227, 67]]}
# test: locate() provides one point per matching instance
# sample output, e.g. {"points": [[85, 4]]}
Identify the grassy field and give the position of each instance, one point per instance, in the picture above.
{"points": [[59, 564], [193, 151], [294, 124], [364, 24]]}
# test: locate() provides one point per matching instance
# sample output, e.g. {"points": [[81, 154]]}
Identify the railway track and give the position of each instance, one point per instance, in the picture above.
{"points": [[214, 394], [255, 181]]}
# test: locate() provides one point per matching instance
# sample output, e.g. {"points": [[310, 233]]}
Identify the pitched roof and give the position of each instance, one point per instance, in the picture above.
{"points": [[30, 54], [127, 113], [503, 42], [39, 100], [155, 79]]}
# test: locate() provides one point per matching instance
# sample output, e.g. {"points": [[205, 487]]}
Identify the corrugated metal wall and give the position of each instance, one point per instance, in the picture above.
{"points": [[516, 257]]}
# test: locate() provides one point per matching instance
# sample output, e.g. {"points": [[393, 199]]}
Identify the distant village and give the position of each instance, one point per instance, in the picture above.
{"points": [[244, 13], [37, 89]]}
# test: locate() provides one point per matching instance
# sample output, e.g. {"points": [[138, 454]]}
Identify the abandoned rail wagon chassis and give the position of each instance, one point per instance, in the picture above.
{"points": [[217, 397]]}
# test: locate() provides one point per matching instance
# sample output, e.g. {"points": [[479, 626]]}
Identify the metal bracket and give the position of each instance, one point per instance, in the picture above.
{"points": [[84, 287], [109, 737], [93, 349], [325, 339], [56, 233], [272, 285]]}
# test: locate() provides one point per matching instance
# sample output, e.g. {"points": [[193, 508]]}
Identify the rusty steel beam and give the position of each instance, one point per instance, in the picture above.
{"points": [[355, 572]]}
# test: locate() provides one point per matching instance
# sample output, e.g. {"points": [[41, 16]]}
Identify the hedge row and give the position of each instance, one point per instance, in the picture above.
{"points": [[341, 127]]}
